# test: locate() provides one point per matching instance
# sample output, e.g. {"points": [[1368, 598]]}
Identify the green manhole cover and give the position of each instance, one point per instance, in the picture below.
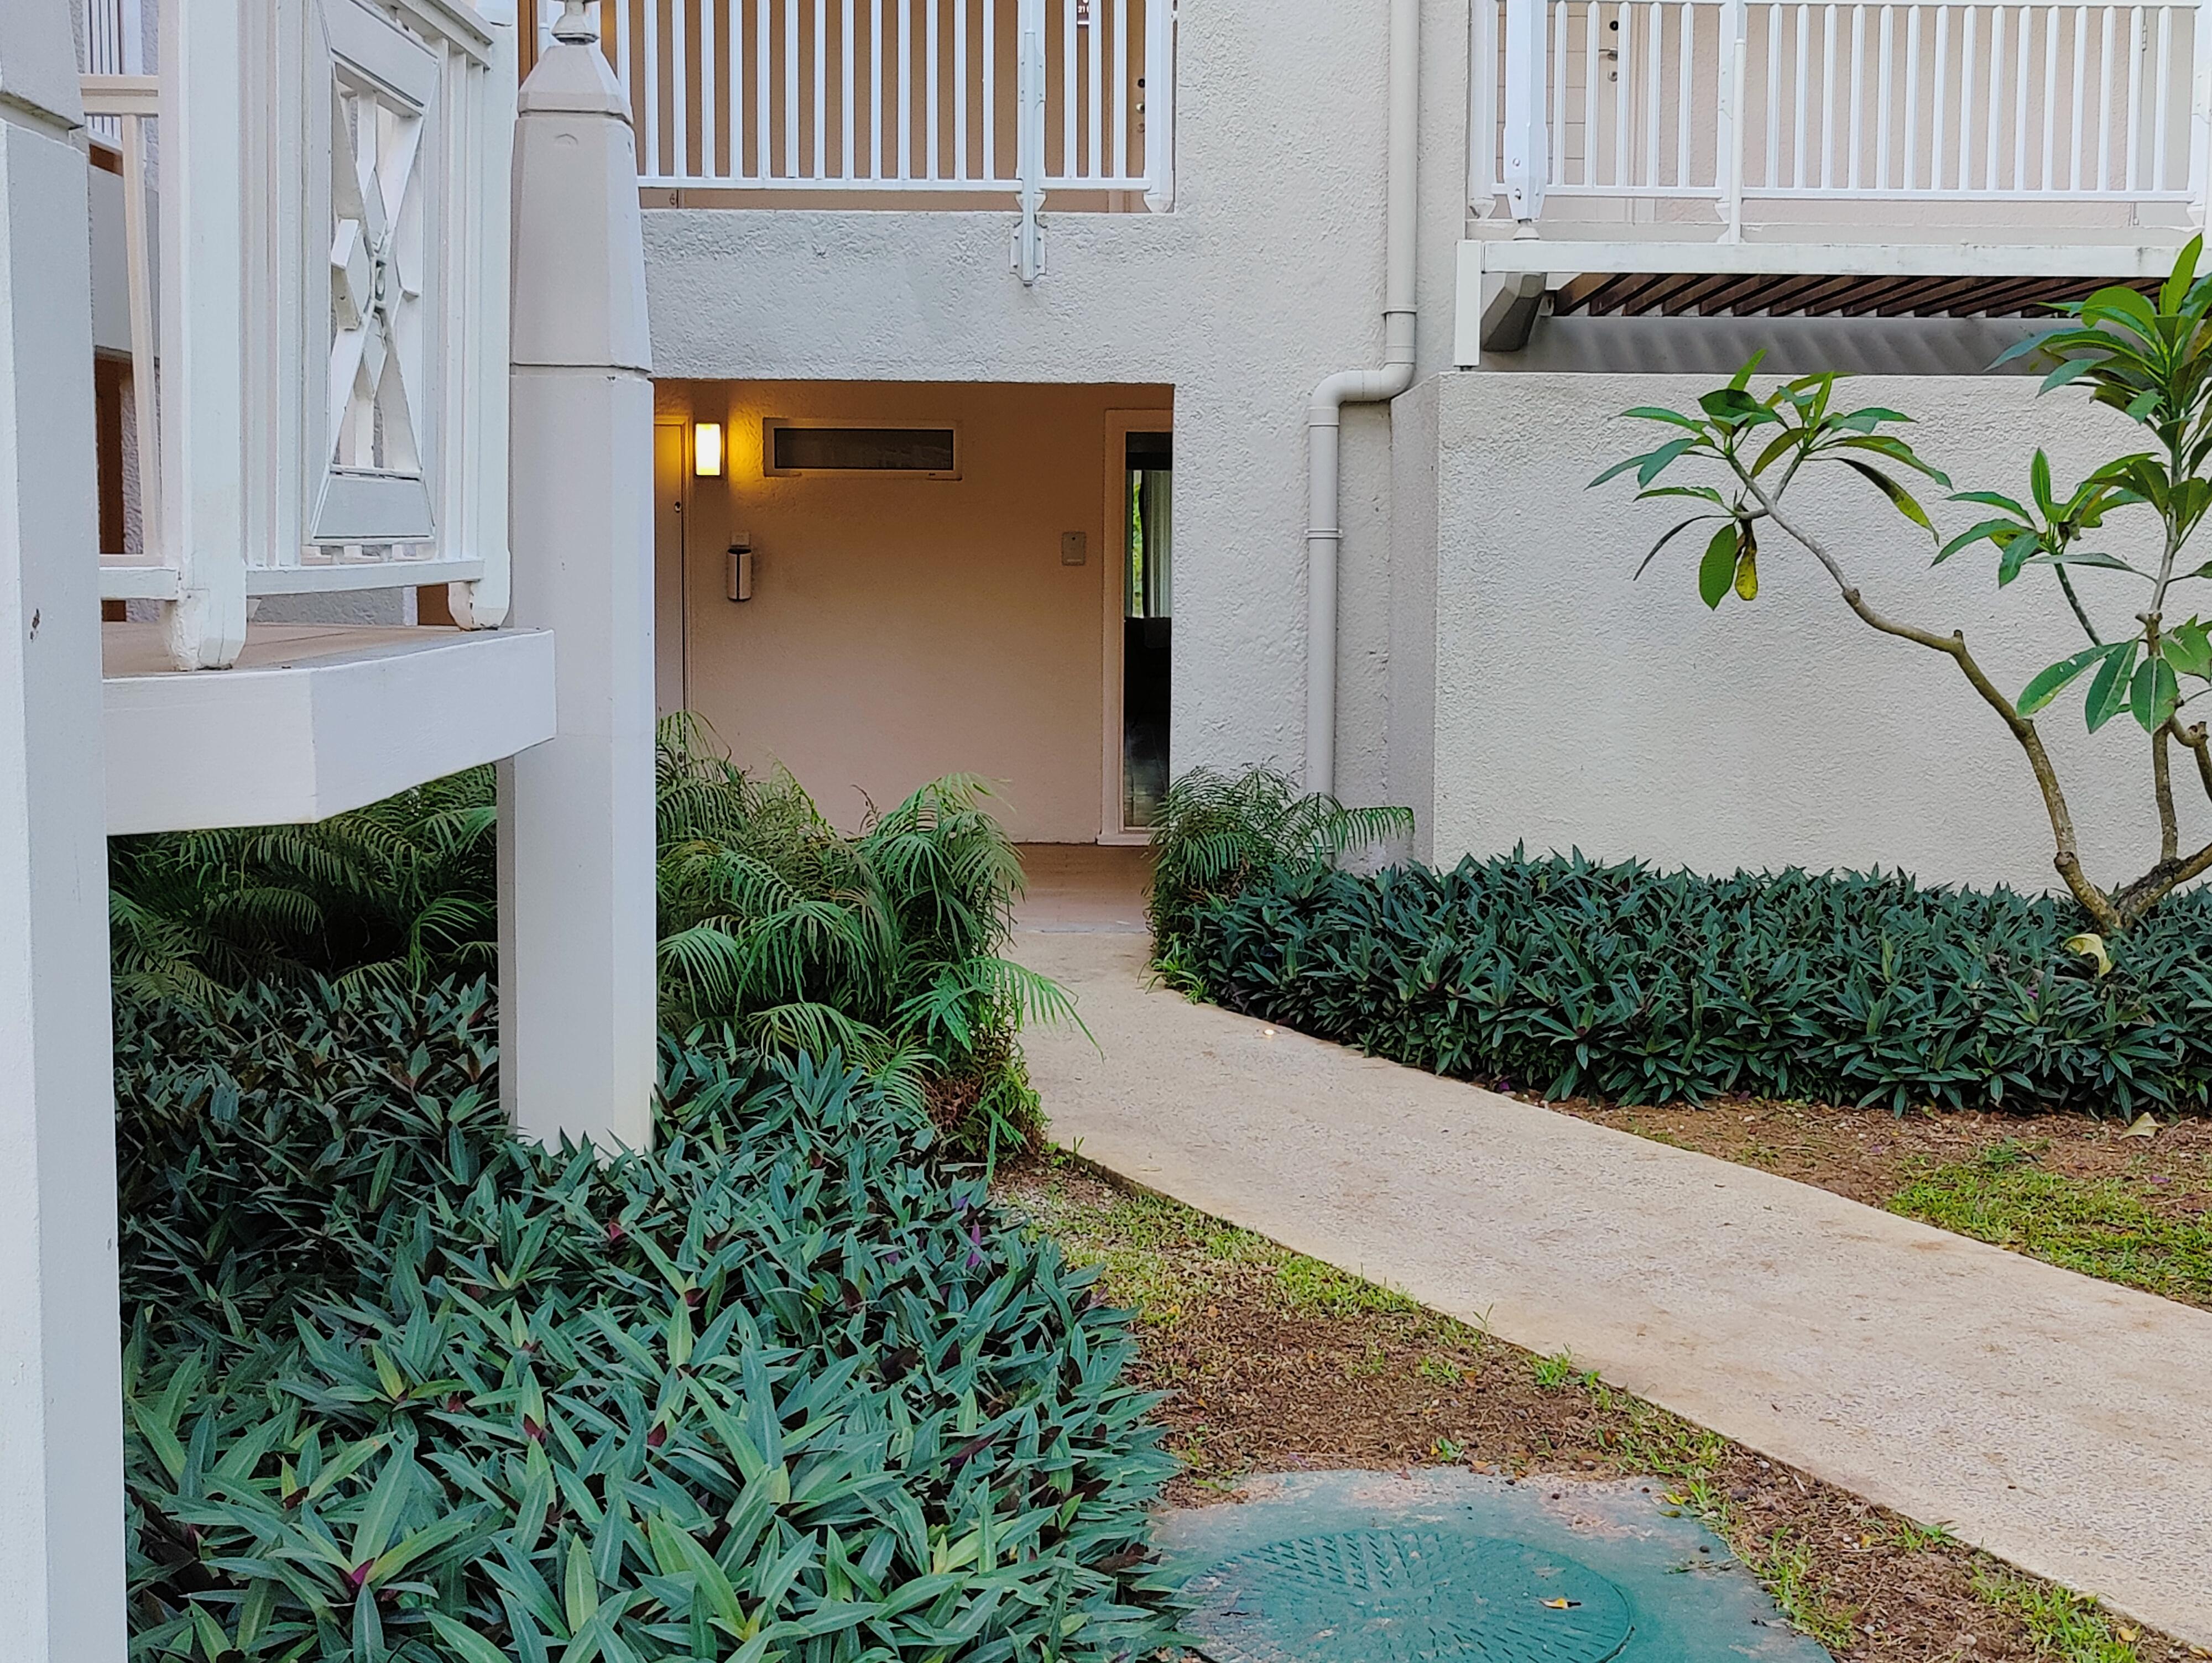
{"points": [[1376, 1596]]}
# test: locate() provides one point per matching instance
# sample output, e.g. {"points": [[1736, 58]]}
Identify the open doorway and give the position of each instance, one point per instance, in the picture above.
{"points": [[1147, 612]]}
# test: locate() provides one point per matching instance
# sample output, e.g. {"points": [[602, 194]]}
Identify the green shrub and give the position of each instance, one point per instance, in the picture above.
{"points": [[1620, 982], [400, 1390], [883, 946], [1214, 833]]}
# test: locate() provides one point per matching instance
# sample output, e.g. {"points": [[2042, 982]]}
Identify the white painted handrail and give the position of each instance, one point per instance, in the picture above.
{"points": [[1773, 101], [318, 322], [919, 97]]}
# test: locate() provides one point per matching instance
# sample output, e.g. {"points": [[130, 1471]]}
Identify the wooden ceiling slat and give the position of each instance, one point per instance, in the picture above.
{"points": [[1630, 294]]}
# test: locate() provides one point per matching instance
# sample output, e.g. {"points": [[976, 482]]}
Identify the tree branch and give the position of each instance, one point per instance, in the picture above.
{"points": [[2162, 881], [2196, 739], [2093, 900], [2161, 778], [2074, 601], [2162, 768]]}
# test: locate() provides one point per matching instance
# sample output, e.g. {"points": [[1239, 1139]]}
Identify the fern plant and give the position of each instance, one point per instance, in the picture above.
{"points": [[1215, 834], [883, 946], [397, 894]]}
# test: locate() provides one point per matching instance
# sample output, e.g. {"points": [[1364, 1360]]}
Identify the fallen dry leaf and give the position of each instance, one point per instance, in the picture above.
{"points": [[2143, 1126]]}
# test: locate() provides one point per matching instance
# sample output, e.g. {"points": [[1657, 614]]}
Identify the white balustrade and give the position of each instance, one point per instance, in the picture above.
{"points": [[911, 96], [1748, 101], [317, 305]]}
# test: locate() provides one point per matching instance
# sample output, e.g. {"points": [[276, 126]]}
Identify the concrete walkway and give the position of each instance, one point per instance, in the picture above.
{"points": [[2063, 1423]]}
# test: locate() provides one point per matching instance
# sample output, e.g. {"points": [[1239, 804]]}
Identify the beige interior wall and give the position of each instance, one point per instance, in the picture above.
{"points": [[905, 628]]}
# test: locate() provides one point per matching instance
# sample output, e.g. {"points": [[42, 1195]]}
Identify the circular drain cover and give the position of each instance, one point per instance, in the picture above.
{"points": [[1378, 1596]]}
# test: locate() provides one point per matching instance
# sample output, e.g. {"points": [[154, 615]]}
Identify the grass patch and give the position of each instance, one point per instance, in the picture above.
{"points": [[2100, 1227], [2068, 1626]]}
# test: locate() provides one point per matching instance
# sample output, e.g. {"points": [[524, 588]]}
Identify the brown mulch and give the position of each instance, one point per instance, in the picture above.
{"points": [[1870, 1154], [1264, 1373]]}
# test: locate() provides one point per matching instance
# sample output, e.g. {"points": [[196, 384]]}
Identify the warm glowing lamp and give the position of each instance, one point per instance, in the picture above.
{"points": [[706, 449]]}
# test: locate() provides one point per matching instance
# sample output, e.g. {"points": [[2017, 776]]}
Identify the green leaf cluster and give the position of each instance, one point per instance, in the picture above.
{"points": [[402, 1390], [1618, 981], [1762, 444]]}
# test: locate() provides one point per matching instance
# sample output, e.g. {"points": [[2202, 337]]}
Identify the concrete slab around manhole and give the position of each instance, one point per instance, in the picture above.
{"points": [[1438, 1567]]}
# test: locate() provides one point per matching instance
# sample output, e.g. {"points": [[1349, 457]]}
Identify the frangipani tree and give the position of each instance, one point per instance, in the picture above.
{"points": [[2151, 358]]}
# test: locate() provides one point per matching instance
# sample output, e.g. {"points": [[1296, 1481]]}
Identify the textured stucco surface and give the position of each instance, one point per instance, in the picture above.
{"points": [[1578, 708], [1266, 276], [2063, 1423]]}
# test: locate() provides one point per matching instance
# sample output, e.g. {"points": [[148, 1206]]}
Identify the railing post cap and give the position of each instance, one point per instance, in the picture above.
{"points": [[576, 26]]}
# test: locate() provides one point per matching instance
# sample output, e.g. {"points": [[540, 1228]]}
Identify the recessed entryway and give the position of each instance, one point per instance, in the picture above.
{"points": [[882, 583]]}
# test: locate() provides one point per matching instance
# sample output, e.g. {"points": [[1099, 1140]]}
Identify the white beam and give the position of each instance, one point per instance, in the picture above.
{"points": [[1571, 257], [61, 1413], [312, 720], [576, 923]]}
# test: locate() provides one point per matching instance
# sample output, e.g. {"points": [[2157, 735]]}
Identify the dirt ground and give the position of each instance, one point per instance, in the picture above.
{"points": [[1271, 1362], [1870, 1154]]}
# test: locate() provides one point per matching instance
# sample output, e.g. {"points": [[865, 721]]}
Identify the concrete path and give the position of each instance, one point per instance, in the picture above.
{"points": [[2063, 1423]]}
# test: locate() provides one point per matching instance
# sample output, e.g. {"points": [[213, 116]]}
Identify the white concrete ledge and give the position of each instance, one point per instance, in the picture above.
{"points": [[312, 720]]}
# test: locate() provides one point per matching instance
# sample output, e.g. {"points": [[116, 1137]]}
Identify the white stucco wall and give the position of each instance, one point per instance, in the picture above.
{"points": [[1575, 708], [1266, 276]]}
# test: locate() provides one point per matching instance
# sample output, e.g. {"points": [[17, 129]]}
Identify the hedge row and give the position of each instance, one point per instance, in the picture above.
{"points": [[402, 1390], [1624, 983]]}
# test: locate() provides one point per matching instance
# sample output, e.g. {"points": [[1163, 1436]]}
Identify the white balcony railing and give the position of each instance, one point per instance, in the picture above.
{"points": [[315, 239], [1771, 109], [928, 97]]}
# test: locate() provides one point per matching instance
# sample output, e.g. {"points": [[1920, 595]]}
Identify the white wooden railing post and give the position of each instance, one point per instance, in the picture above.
{"points": [[577, 990], [2200, 111], [1030, 105], [1528, 127], [1482, 108], [1159, 104], [1728, 122], [62, 1597], [203, 330], [476, 482]]}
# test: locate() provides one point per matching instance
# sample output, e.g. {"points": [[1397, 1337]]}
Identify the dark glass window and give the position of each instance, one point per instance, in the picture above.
{"points": [[860, 450]]}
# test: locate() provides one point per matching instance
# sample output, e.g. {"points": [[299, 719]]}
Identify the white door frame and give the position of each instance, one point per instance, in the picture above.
{"points": [[1113, 579]]}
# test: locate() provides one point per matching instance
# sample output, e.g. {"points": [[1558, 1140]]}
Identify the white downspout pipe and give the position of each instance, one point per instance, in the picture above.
{"points": [[1323, 534]]}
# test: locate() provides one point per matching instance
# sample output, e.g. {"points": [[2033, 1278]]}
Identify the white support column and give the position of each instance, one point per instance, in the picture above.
{"points": [[577, 993], [61, 1425]]}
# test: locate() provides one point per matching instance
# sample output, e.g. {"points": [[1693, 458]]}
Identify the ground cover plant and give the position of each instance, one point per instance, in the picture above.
{"points": [[1572, 978], [884, 946], [1272, 1362], [402, 1390], [2147, 357]]}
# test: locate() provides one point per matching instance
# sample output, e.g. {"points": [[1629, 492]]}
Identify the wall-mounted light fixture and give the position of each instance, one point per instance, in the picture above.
{"points": [[738, 574], [706, 449]]}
